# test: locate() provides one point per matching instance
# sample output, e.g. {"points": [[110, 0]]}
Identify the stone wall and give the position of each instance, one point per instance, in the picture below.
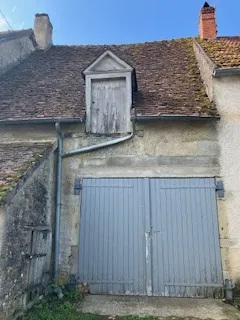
{"points": [[28, 211]]}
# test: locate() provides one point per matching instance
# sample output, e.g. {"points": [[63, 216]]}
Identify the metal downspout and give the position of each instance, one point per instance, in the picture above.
{"points": [[100, 145], [58, 201], [62, 155]]}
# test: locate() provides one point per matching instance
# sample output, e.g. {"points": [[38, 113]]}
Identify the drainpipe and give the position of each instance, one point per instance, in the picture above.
{"points": [[228, 290], [100, 145], [58, 201], [62, 155]]}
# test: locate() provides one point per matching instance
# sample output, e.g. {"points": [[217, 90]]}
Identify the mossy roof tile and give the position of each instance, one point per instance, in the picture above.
{"points": [[50, 84], [16, 158], [224, 51]]}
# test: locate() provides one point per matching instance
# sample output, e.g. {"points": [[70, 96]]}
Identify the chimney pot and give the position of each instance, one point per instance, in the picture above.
{"points": [[207, 22], [206, 5], [43, 31]]}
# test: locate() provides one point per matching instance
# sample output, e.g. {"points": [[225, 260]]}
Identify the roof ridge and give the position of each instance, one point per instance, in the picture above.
{"points": [[121, 44]]}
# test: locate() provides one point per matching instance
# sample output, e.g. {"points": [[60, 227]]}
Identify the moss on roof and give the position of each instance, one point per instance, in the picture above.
{"points": [[12, 179], [15, 165], [225, 51], [205, 106], [167, 76]]}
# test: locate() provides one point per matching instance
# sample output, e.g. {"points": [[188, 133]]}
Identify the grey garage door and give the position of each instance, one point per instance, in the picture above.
{"points": [[150, 237]]}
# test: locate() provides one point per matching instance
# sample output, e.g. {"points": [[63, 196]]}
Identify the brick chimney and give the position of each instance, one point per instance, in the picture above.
{"points": [[207, 22], [43, 31]]}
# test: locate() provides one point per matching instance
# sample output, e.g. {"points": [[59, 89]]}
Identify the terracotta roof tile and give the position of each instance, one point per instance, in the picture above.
{"points": [[224, 51], [50, 84]]}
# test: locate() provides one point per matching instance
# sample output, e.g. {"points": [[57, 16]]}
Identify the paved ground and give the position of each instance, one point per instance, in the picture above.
{"points": [[172, 308]]}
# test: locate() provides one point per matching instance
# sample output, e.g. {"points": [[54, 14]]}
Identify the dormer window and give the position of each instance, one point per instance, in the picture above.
{"points": [[108, 95]]}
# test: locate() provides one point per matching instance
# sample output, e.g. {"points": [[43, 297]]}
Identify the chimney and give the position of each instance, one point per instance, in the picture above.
{"points": [[207, 22], [43, 31]]}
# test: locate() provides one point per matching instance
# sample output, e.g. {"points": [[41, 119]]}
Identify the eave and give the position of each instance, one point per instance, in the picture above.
{"points": [[174, 117]]}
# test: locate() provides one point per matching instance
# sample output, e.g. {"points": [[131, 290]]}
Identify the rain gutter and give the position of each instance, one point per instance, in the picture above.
{"points": [[168, 117], [221, 72], [82, 119]]}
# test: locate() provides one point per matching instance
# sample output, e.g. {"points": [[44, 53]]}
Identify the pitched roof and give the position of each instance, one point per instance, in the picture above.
{"points": [[224, 51], [50, 84], [15, 160]]}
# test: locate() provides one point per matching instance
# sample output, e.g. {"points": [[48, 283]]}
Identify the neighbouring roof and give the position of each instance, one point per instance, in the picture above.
{"points": [[224, 51], [11, 35], [51, 85], [15, 160]]}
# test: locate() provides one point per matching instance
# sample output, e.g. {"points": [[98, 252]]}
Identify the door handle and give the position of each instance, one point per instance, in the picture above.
{"points": [[157, 231]]}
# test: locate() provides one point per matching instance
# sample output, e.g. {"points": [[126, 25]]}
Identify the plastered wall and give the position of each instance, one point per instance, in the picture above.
{"points": [[227, 97], [161, 149]]}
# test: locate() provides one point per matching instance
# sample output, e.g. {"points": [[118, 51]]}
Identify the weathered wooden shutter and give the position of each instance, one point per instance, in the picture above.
{"points": [[39, 262], [109, 112]]}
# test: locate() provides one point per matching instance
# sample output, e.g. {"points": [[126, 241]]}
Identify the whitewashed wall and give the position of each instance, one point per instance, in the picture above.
{"points": [[227, 97]]}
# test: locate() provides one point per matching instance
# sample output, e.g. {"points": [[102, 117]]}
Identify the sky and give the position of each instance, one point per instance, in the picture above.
{"points": [[119, 21]]}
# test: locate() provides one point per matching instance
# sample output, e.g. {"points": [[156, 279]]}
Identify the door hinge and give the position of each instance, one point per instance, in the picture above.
{"points": [[77, 186], [220, 189]]}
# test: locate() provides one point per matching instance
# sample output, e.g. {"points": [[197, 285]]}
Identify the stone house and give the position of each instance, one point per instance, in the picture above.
{"points": [[119, 165]]}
